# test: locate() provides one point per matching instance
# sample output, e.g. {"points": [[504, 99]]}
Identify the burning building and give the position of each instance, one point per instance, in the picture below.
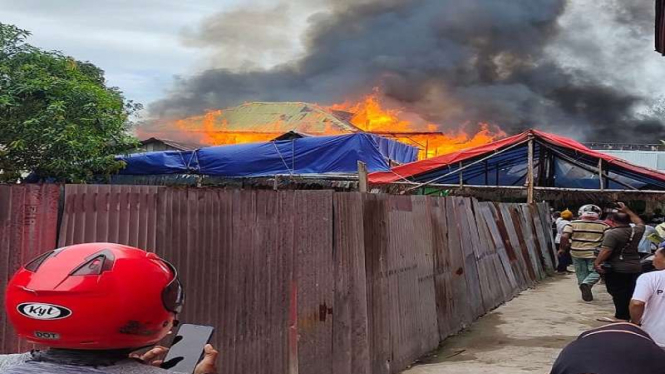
{"points": [[266, 121]]}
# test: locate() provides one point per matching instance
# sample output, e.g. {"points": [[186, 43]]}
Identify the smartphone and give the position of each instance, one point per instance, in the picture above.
{"points": [[187, 348]]}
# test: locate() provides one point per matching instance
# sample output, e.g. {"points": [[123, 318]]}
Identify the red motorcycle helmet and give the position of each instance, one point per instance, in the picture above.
{"points": [[95, 296]]}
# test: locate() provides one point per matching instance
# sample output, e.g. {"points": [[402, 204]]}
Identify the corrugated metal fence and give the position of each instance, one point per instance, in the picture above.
{"points": [[317, 281], [28, 226]]}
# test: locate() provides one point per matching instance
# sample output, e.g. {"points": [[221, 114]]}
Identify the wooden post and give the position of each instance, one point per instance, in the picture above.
{"points": [[529, 174], [487, 171], [600, 174], [362, 177], [426, 150], [461, 175]]}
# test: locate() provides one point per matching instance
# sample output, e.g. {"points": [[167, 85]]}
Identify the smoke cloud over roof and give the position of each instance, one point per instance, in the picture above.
{"points": [[573, 67]]}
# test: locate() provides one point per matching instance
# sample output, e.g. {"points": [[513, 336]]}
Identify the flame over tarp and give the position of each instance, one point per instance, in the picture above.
{"points": [[261, 122]]}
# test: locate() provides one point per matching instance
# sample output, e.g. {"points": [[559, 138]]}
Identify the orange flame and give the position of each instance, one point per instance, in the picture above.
{"points": [[370, 116], [367, 115], [212, 129]]}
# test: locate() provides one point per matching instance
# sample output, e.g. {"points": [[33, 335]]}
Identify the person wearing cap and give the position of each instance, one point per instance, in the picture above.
{"points": [[564, 259], [93, 305], [647, 306], [582, 238]]}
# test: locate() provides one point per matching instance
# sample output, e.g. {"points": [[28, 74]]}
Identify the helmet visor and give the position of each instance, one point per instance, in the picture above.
{"points": [[173, 295]]}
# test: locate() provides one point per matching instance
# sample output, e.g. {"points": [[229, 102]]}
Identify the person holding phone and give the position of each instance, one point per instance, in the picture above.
{"points": [[93, 305], [619, 259]]}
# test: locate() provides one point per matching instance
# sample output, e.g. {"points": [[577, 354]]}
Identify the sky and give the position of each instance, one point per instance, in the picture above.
{"points": [[151, 49], [142, 45]]}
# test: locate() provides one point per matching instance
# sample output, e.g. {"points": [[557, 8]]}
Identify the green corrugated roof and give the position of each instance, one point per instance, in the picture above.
{"points": [[279, 118]]}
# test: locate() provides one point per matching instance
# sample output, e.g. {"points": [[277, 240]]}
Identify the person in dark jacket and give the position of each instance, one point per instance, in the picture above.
{"points": [[93, 305], [619, 348]]}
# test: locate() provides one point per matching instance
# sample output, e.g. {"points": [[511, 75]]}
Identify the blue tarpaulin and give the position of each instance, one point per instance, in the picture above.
{"points": [[310, 155]]}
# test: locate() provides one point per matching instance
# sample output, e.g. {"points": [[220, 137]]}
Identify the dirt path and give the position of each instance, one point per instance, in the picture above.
{"points": [[523, 336]]}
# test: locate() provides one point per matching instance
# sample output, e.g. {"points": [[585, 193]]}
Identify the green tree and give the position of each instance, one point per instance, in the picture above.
{"points": [[58, 118]]}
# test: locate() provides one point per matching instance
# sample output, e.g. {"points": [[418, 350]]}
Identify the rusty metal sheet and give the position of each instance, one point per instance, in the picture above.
{"points": [[511, 245], [402, 281], [530, 239], [541, 239], [477, 271], [422, 249], [309, 281], [498, 281], [546, 221], [28, 227], [442, 268], [474, 296], [234, 250], [110, 213], [314, 274], [513, 221], [501, 261], [375, 226], [350, 318]]}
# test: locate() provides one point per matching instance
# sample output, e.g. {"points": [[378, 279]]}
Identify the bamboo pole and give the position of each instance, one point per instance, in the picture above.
{"points": [[529, 174], [461, 175], [600, 174]]}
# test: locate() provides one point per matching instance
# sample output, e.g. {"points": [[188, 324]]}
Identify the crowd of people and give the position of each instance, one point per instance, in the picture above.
{"points": [[618, 248]]}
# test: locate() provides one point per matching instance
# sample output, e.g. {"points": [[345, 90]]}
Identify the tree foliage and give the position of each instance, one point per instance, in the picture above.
{"points": [[58, 119]]}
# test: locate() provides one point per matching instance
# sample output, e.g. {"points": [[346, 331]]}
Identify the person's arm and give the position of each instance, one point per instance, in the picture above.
{"points": [[603, 256], [636, 311], [634, 218], [641, 295], [606, 249], [564, 244], [566, 233]]}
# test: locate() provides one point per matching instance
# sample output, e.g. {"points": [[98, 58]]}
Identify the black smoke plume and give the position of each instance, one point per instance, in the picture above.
{"points": [[451, 62]]}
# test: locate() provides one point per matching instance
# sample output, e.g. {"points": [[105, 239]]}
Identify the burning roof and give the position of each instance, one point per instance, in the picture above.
{"points": [[265, 121]]}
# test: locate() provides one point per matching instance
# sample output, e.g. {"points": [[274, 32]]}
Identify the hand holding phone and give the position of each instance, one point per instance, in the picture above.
{"points": [[187, 348]]}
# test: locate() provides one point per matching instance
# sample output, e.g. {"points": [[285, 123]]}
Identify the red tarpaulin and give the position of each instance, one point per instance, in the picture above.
{"points": [[403, 172]]}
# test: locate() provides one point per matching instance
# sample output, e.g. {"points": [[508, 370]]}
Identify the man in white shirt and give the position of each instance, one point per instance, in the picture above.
{"points": [[564, 258], [647, 306]]}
